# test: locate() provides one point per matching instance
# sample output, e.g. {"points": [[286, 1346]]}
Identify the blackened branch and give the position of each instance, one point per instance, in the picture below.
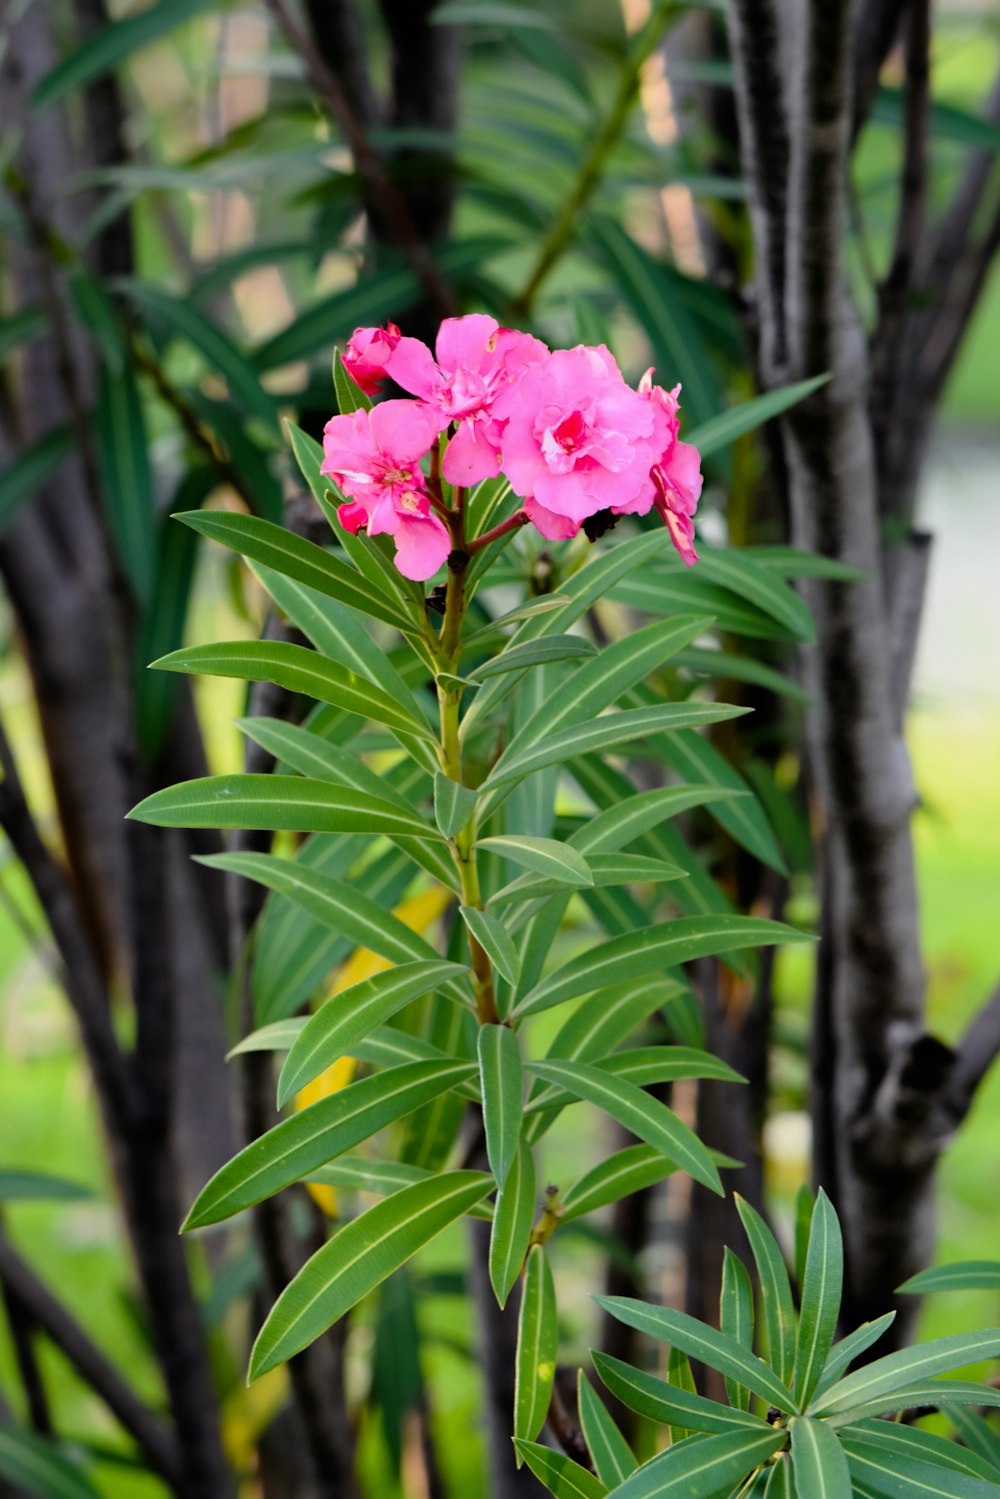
{"points": [[52, 1318]]}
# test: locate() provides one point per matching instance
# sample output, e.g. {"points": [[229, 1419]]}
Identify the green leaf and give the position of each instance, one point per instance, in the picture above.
{"points": [[544, 856], [736, 1317], [38, 1467], [513, 1219], [501, 1081], [776, 1290], [645, 1065], [110, 45], [535, 653], [341, 636], [262, 541], [818, 1462], [279, 1035], [564, 1478], [296, 1146], [967, 1275], [915, 1442], [613, 1457], [780, 1483], [358, 1258], [273, 802], [317, 757], [716, 664], [453, 804], [720, 431], [619, 1175], [37, 1186], [606, 870], [750, 580], [977, 1435], [603, 680], [221, 354], [127, 477], [22, 478], [630, 818], [939, 1392], [904, 1368], [297, 669], [694, 757], [646, 1117], [791, 562], [605, 732], [702, 1467], [681, 1376], [821, 1291], [349, 1016], [670, 1404], [652, 949], [895, 1476], [537, 1346], [844, 1353], [495, 940], [699, 1341], [344, 907], [350, 396]]}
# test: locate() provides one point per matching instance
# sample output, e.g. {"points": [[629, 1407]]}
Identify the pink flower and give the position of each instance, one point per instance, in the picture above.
{"points": [[374, 456], [579, 440], [677, 473], [476, 360], [367, 355]]}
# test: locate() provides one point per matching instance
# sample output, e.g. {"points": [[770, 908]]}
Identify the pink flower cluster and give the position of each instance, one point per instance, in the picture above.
{"points": [[574, 440]]}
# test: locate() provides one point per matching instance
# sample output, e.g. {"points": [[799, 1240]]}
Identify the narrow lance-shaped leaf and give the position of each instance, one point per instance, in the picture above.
{"points": [[703, 1467], [669, 1404], [818, 1462], [110, 45], [603, 680], [545, 856], [605, 732], [736, 1317], [821, 1291], [968, 1275], [908, 1366], [843, 1354], [500, 1078], [612, 1455], [563, 1478], [513, 1217], [776, 1290], [651, 949], [893, 1476], [453, 804], [273, 802], [699, 1341], [645, 1116], [349, 1016], [535, 653], [537, 1346], [296, 1146], [358, 1258], [719, 431], [298, 669], [263, 541], [495, 940], [619, 1175], [350, 396]]}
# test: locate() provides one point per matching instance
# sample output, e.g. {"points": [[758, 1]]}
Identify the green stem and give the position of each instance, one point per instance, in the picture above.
{"points": [[449, 647], [565, 224]]}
